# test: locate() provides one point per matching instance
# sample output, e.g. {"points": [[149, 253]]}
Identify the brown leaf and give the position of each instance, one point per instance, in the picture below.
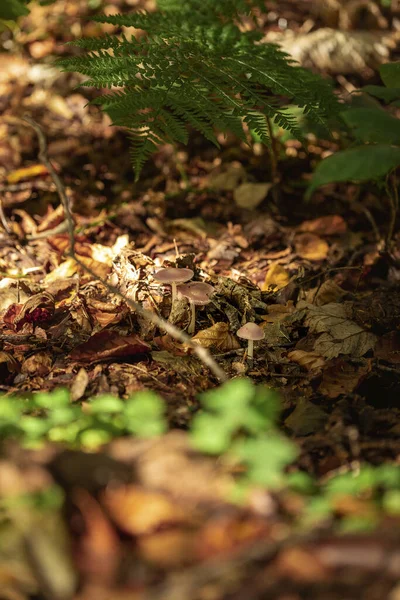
{"points": [[306, 418], [109, 344], [328, 225], [228, 532], [38, 364], [339, 335], [140, 511], [388, 348], [218, 336], [341, 377], [168, 549], [328, 292], [311, 361], [311, 247], [98, 549], [38, 309]]}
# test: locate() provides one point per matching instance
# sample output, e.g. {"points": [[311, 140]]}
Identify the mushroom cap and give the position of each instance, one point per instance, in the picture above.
{"points": [[198, 286], [173, 275], [196, 296], [250, 331]]}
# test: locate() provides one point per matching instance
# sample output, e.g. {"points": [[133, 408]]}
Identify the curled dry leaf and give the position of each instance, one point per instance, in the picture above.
{"points": [[38, 309], [311, 247], [218, 336], [310, 361]]}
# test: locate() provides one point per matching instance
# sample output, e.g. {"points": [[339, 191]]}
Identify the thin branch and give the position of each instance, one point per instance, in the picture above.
{"points": [[202, 353]]}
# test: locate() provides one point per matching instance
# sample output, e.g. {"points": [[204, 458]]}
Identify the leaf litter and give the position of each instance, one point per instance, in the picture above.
{"points": [[150, 518]]}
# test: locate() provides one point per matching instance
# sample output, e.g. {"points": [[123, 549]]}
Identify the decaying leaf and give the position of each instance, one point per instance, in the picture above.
{"points": [[109, 344], [218, 336], [339, 335], [306, 418], [341, 377]]}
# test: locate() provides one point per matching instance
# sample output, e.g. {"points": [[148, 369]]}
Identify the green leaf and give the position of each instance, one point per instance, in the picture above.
{"points": [[93, 438], [210, 434], [106, 404], [266, 458], [353, 483], [362, 163], [390, 74], [57, 398], [373, 125], [383, 93], [33, 427], [144, 414], [12, 9]]}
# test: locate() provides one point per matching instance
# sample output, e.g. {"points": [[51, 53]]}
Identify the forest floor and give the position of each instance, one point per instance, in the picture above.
{"points": [[317, 276]]}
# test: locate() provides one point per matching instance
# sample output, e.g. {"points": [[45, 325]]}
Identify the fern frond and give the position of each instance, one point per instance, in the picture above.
{"points": [[197, 68]]}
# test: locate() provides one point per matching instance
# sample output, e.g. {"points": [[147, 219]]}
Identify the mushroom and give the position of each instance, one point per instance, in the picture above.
{"points": [[173, 276], [251, 332], [193, 292]]}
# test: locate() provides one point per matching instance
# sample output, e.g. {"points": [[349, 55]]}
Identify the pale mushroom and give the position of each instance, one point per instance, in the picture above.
{"points": [[196, 297], [250, 332], [173, 277]]}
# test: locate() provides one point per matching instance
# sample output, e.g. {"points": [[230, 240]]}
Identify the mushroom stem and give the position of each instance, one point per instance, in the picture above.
{"points": [[192, 321], [174, 292], [250, 349]]}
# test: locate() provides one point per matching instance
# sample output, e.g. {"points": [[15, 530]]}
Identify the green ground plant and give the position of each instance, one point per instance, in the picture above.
{"points": [[237, 422], [373, 130], [196, 66]]}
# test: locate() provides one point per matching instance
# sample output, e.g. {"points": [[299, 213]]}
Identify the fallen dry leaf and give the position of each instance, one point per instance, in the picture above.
{"points": [[311, 247], [311, 361], [218, 336], [341, 377], [388, 348], [109, 344], [38, 364], [339, 335], [277, 277], [250, 195], [328, 292], [26, 173], [328, 225], [139, 511]]}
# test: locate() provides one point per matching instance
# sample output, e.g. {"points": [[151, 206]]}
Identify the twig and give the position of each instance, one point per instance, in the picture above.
{"points": [[202, 353]]}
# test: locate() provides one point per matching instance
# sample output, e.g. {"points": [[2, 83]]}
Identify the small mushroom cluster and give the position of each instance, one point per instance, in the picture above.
{"points": [[199, 294]]}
